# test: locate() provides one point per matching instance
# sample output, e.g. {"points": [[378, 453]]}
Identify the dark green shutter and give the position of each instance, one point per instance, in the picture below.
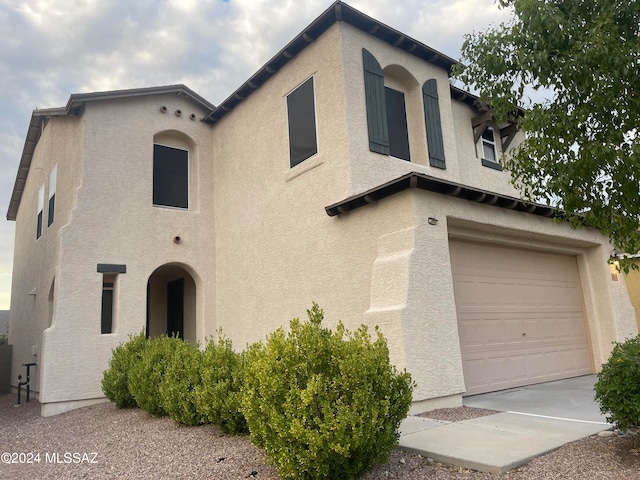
{"points": [[376, 107], [434, 127]]}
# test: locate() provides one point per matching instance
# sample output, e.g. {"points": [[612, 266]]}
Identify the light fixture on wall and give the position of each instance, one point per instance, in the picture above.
{"points": [[614, 264], [432, 221]]}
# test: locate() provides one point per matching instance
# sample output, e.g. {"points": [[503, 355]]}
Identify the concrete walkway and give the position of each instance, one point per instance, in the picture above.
{"points": [[534, 420]]}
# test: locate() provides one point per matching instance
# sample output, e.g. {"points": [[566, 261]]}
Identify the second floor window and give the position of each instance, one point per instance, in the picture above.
{"points": [[301, 114], [489, 145], [52, 195], [397, 124], [40, 218], [170, 177]]}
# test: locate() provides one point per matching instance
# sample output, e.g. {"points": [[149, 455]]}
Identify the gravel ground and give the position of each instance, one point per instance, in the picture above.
{"points": [[131, 444]]}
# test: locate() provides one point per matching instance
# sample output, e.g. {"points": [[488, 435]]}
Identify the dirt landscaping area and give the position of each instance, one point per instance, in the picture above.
{"points": [[102, 442]]}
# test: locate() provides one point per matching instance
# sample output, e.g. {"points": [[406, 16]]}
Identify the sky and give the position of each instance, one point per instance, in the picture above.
{"points": [[53, 48]]}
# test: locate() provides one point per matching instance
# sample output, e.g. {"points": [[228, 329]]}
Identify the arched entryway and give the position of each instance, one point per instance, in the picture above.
{"points": [[171, 303]]}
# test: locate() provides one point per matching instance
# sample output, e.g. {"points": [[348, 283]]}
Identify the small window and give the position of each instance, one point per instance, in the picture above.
{"points": [[397, 124], [302, 123], [52, 195], [106, 318], [170, 177], [40, 212], [489, 145]]}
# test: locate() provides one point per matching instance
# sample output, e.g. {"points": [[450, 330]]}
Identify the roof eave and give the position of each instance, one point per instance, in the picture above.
{"points": [[337, 12], [73, 107], [76, 100], [444, 187]]}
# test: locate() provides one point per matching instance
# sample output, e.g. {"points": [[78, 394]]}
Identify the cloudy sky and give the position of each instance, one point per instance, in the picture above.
{"points": [[53, 48]]}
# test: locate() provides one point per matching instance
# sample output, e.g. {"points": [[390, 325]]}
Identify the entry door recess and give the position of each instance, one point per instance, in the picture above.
{"points": [[520, 316], [175, 308]]}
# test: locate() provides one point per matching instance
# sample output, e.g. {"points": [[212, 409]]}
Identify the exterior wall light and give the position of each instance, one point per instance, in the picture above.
{"points": [[432, 221]]}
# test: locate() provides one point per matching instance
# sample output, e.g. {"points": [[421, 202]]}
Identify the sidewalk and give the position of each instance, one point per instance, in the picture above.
{"points": [[524, 430]]}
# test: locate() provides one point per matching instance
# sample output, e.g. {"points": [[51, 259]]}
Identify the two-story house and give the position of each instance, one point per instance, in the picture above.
{"points": [[346, 171]]}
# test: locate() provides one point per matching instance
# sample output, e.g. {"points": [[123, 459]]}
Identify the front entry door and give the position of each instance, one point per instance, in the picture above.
{"points": [[175, 308]]}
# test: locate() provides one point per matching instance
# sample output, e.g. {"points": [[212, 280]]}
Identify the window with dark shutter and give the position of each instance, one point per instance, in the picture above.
{"points": [[40, 212], [170, 176], [376, 104], [397, 124], [52, 195], [433, 124], [302, 123]]}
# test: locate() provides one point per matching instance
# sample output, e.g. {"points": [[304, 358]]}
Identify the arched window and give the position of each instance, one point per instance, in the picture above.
{"points": [[387, 107], [171, 170]]}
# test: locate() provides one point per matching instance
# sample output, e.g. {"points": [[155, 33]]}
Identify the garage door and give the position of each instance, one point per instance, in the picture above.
{"points": [[520, 316]]}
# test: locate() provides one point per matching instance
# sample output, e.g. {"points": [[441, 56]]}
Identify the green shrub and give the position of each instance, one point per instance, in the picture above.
{"points": [[115, 380], [324, 404], [181, 378], [618, 386], [4, 339], [218, 397], [145, 376]]}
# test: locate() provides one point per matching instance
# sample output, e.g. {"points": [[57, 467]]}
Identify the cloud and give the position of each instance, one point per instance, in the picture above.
{"points": [[51, 49], [5, 286], [5, 300]]}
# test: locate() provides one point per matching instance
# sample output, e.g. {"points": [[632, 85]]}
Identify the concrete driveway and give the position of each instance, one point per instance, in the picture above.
{"points": [[534, 420], [566, 399]]}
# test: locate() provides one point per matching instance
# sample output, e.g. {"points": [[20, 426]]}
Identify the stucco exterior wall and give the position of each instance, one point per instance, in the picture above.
{"points": [[382, 264], [33, 290], [276, 247], [408, 73], [428, 316], [114, 222], [469, 160], [256, 245]]}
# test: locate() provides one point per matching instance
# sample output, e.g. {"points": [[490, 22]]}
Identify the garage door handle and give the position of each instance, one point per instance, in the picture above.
{"points": [[524, 334]]}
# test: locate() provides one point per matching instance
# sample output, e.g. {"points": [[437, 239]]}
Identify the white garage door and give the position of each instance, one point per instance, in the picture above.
{"points": [[520, 316]]}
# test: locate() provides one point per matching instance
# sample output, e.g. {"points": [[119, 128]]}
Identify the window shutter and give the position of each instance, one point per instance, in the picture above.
{"points": [[376, 107], [434, 127]]}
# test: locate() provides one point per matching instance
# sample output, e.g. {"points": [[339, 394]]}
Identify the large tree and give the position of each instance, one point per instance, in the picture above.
{"points": [[573, 67]]}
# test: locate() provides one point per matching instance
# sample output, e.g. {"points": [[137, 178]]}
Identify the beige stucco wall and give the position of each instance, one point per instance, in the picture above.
{"points": [[408, 73], [276, 247], [257, 241], [469, 160], [33, 291], [381, 264], [114, 222]]}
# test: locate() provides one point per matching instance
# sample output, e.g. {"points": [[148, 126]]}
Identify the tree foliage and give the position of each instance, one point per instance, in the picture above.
{"points": [[582, 145]]}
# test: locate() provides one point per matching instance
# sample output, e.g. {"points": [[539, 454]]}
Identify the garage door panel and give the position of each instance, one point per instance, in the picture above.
{"points": [[517, 368], [553, 363], [536, 366], [520, 316]]}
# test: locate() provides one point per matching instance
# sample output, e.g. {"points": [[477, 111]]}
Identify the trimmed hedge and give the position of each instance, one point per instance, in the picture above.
{"points": [[218, 396], [115, 380], [146, 375], [182, 378], [324, 404], [618, 386]]}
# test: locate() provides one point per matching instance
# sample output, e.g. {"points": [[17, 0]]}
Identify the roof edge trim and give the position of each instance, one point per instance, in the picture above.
{"points": [[337, 12], [432, 184], [74, 104]]}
